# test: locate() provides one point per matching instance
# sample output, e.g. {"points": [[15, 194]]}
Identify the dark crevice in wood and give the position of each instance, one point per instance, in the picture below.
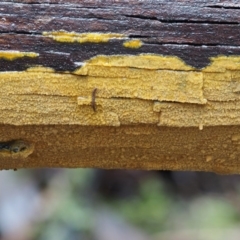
{"points": [[22, 33], [222, 7], [199, 22], [184, 44], [144, 37], [142, 17], [67, 4], [181, 21], [31, 3], [138, 36], [193, 44]]}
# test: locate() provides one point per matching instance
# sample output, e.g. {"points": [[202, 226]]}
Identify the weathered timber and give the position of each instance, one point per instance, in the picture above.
{"points": [[120, 84]]}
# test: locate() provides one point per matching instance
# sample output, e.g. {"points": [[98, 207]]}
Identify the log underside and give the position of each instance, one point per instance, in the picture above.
{"points": [[127, 147], [120, 84]]}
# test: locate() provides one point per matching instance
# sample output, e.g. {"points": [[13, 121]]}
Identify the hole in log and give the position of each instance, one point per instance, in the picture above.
{"points": [[16, 148]]}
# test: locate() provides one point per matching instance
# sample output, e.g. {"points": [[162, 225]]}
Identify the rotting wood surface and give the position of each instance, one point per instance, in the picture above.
{"points": [[107, 67]]}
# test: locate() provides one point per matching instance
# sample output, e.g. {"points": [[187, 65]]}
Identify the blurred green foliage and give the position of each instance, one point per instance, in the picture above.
{"points": [[149, 210], [154, 210], [73, 203]]}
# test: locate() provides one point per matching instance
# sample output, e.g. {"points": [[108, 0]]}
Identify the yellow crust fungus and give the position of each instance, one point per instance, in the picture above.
{"points": [[40, 69], [128, 147], [12, 55], [146, 88], [70, 37], [133, 43], [142, 61], [146, 76], [223, 63]]}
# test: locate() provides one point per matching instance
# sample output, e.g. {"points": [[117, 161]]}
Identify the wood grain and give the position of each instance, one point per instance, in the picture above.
{"points": [[191, 30]]}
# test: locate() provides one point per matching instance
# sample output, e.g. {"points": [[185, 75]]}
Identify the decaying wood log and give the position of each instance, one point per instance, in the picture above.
{"points": [[120, 84]]}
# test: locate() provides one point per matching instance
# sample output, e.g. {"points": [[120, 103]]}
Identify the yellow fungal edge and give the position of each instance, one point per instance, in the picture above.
{"points": [[12, 55], [223, 63], [133, 44], [141, 61], [131, 89], [40, 69], [62, 36]]}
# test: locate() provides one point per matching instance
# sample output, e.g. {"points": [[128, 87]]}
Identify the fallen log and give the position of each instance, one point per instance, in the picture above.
{"points": [[120, 84]]}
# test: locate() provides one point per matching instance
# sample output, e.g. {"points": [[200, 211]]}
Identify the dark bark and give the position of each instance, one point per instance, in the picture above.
{"points": [[191, 30]]}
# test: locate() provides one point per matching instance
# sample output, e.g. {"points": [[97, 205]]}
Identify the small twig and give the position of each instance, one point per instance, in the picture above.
{"points": [[93, 103]]}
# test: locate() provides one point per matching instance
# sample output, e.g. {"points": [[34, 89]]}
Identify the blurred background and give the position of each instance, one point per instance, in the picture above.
{"points": [[93, 204]]}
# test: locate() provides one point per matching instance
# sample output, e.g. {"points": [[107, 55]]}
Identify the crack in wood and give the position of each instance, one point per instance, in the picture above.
{"points": [[176, 21], [223, 7]]}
